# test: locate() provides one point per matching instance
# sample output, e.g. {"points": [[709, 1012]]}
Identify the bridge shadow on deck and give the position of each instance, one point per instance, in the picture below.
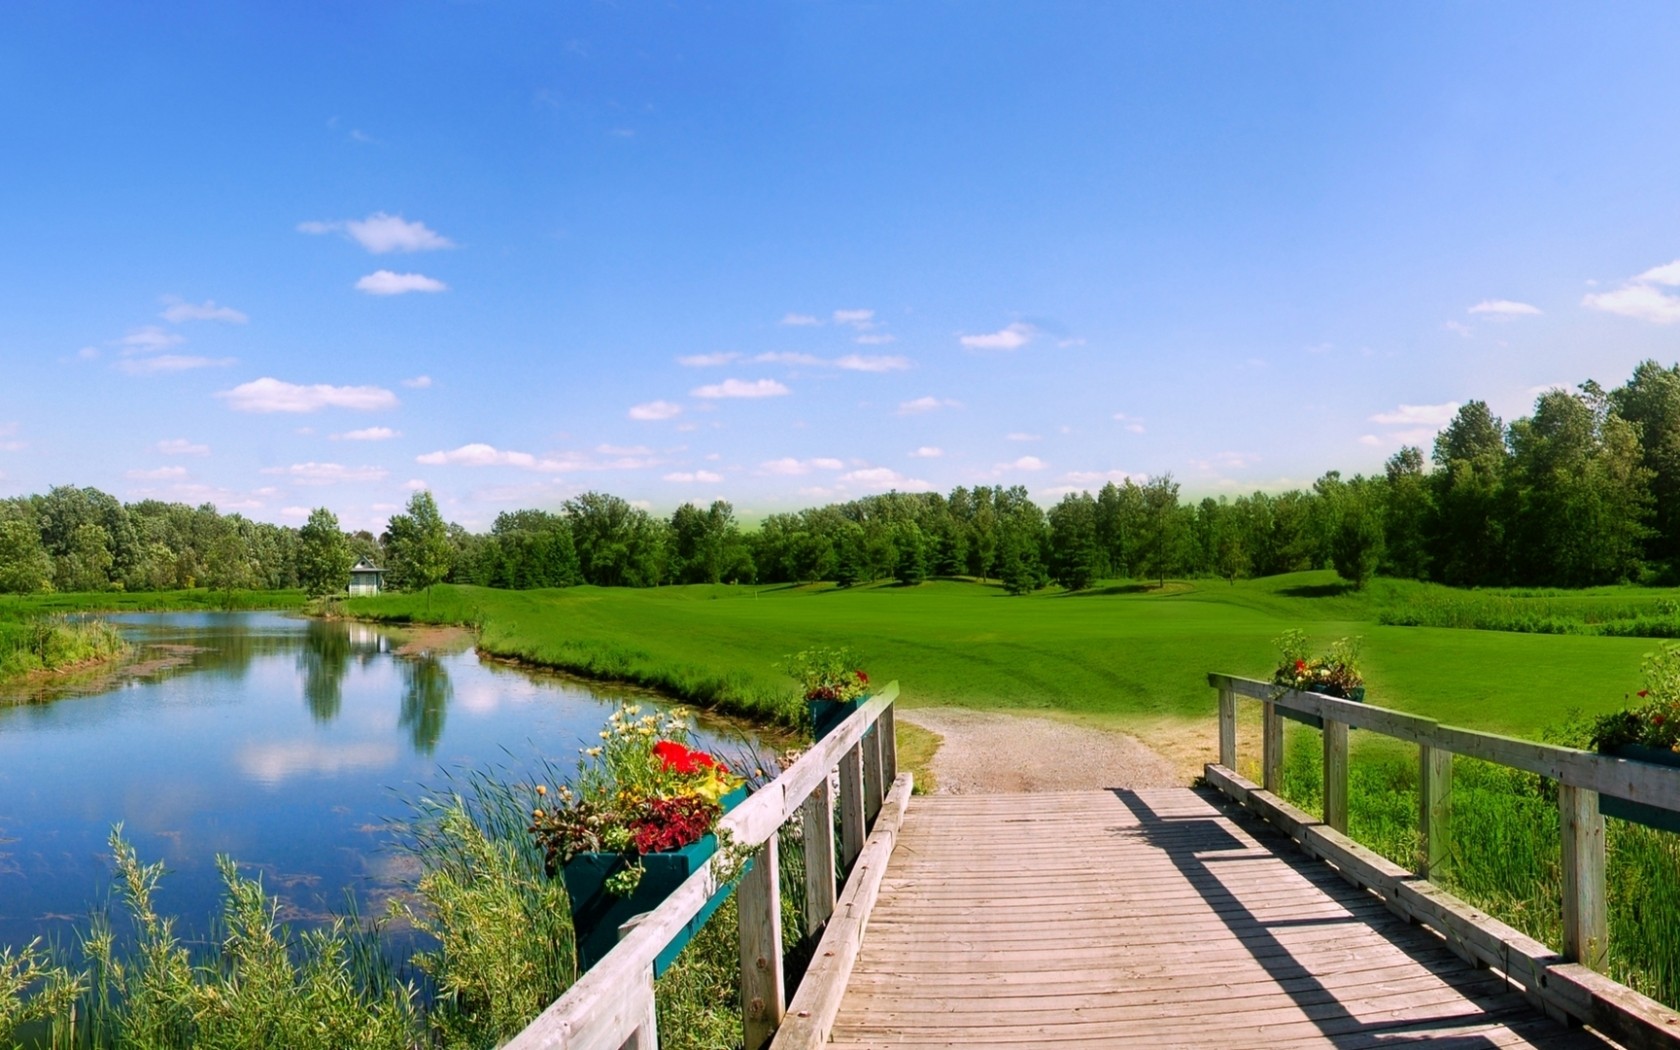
{"points": [[1200, 847]]}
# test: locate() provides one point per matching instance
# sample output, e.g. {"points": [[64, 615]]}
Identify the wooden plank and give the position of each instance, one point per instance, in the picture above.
{"points": [[817, 827], [1434, 812], [1336, 774], [811, 1013], [1227, 728], [646, 1035], [888, 727], [851, 806], [760, 908], [873, 787], [1636, 1021], [1586, 936], [1271, 747]]}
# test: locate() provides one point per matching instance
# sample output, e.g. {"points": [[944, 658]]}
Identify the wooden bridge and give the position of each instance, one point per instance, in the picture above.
{"points": [[1219, 916]]}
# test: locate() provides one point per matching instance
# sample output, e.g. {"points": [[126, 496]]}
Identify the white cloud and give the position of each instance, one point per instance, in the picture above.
{"points": [[1024, 463], [699, 475], [741, 388], [1640, 301], [158, 474], [385, 282], [327, 473], [799, 320], [1132, 424], [368, 434], [1019, 436], [295, 513], [1013, 337], [380, 233], [1091, 477], [827, 463], [479, 455], [924, 404], [1418, 415], [415, 485], [1504, 308], [875, 339], [148, 339], [856, 318], [87, 353], [787, 466], [182, 447], [273, 395], [624, 450], [1371, 439], [927, 452], [1226, 461], [723, 357], [873, 363], [140, 366], [177, 311], [789, 358], [418, 382], [654, 410], [1668, 273], [1460, 327]]}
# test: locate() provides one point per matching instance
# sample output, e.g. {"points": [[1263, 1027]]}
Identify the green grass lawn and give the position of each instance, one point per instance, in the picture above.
{"points": [[1123, 655]]}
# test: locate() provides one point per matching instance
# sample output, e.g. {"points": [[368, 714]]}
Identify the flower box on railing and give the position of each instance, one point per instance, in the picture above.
{"points": [[1652, 816], [826, 715], [598, 914], [1356, 694]]}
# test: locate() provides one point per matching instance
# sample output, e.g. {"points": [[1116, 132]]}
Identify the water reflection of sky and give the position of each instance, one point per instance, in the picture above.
{"points": [[288, 744]]}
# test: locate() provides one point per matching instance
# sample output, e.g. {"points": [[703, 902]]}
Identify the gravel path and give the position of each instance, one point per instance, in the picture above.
{"points": [[991, 752]]}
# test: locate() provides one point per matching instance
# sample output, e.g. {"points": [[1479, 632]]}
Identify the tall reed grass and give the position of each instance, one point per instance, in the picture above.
{"points": [[50, 643], [1533, 612]]}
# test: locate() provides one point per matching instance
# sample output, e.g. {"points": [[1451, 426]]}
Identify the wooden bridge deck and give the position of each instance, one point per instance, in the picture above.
{"points": [[1152, 918]]}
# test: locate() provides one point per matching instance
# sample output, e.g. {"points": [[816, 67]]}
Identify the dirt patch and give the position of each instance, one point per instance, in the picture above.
{"points": [[990, 752], [422, 640]]}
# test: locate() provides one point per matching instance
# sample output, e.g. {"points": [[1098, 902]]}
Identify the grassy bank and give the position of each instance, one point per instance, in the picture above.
{"points": [[1127, 656], [40, 644], [1625, 612]]}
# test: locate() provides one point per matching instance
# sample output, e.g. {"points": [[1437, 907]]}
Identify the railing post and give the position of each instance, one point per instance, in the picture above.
{"points": [[1434, 811], [1586, 934], [1271, 749], [1227, 727], [817, 819], [1336, 774], [851, 806], [646, 1035], [760, 908], [889, 747], [872, 783]]}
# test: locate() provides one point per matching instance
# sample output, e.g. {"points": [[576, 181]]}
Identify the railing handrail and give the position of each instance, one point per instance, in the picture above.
{"points": [[602, 1010], [1629, 779]]}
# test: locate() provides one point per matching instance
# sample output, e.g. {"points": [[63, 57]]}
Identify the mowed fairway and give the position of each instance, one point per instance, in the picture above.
{"points": [[1129, 656]]}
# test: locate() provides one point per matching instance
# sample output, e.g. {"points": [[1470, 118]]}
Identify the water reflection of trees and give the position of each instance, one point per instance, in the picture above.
{"points": [[426, 693], [324, 660]]}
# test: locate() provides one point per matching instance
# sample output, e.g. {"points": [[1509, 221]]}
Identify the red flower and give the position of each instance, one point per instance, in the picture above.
{"points": [[1300, 665], [1644, 693], [863, 678], [1657, 720], [671, 823], [679, 759]]}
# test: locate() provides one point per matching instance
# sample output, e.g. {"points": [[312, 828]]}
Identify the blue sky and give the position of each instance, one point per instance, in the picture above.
{"points": [[290, 255]]}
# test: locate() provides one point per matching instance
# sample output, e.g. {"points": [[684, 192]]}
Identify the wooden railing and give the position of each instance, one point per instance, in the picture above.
{"points": [[611, 1006], [1565, 985]]}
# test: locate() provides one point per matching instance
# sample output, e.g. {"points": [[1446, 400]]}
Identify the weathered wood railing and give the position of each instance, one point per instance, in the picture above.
{"points": [[1564, 985], [611, 1006]]}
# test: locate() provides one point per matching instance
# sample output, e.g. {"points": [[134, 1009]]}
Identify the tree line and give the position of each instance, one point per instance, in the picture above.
{"points": [[1585, 490]]}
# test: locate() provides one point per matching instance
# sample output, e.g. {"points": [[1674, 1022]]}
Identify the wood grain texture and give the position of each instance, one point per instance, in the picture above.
{"points": [[1153, 918]]}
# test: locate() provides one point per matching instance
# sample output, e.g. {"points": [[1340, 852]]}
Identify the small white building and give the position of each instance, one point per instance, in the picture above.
{"points": [[366, 578]]}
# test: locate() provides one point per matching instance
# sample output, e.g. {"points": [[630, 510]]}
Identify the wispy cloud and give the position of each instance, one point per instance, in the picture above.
{"points": [[927, 452], [327, 473], [1460, 327], [368, 434], [417, 382], [741, 388], [1093, 477], [884, 478], [793, 320], [273, 395], [1023, 436], [722, 357], [157, 474], [1504, 308], [654, 410], [140, 366], [784, 357], [1132, 424], [380, 233], [385, 282], [1027, 463], [788, 466], [860, 319], [176, 311], [480, 455], [149, 339], [875, 339], [873, 363], [182, 447], [1643, 297], [1225, 461], [1418, 415], [924, 404], [1012, 337], [684, 477]]}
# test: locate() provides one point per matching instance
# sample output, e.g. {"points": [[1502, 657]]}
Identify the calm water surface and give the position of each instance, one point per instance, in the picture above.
{"points": [[289, 744]]}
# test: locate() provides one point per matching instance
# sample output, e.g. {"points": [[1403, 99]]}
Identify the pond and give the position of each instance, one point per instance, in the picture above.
{"points": [[288, 744]]}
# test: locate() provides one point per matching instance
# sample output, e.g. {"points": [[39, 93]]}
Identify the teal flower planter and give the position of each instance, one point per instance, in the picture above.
{"points": [[826, 715], [1642, 812], [597, 914], [1356, 694]]}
